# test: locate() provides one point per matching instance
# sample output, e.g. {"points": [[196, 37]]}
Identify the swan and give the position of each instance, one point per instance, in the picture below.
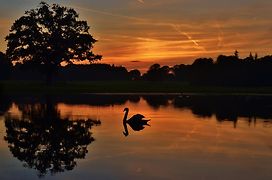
{"points": [[136, 122]]}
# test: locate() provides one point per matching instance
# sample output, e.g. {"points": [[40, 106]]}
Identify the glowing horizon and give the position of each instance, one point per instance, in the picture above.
{"points": [[138, 33]]}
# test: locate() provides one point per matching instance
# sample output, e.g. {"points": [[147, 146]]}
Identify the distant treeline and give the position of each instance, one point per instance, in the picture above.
{"points": [[224, 71]]}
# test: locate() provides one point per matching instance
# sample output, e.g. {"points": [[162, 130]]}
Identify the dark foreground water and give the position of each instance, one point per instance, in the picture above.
{"points": [[83, 137]]}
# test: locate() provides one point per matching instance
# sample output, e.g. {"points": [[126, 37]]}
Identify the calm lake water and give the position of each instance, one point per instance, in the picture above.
{"points": [[189, 137]]}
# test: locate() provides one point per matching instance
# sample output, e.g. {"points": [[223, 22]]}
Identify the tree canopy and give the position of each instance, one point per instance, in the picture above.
{"points": [[48, 36]]}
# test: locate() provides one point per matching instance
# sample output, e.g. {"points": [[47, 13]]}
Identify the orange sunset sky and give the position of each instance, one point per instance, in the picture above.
{"points": [[138, 33]]}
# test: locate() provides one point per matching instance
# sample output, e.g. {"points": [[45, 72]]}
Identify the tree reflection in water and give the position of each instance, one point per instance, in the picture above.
{"points": [[44, 141]]}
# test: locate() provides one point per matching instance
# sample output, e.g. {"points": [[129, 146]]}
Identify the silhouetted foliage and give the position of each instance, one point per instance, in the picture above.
{"points": [[48, 36], [134, 74], [227, 71], [94, 72], [158, 73], [23, 72], [200, 71], [44, 141], [5, 67], [84, 72], [181, 72]]}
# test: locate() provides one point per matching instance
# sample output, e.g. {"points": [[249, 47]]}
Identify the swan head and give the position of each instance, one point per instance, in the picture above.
{"points": [[126, 110], [125, 134]]}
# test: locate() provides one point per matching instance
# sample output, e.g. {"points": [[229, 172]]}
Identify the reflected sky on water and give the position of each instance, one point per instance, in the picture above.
{"points": [[189, 137]]}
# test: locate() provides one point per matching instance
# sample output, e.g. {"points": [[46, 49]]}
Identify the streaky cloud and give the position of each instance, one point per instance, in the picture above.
{"points": [[141, 1], [109, 13], [195, 42]]}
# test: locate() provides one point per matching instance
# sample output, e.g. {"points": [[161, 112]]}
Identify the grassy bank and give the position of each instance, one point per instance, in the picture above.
{"points": [[15, 87]]}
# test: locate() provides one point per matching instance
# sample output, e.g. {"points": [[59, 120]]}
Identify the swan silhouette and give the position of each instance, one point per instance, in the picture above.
{"points": [[136, 122]]}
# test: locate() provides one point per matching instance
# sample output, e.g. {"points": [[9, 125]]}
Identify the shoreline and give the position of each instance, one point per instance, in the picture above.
{"points": [[128, 88], [180, 94]]}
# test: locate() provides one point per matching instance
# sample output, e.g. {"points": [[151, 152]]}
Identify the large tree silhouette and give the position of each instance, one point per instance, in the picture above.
{"points": [[47, 36], [44, 141]]}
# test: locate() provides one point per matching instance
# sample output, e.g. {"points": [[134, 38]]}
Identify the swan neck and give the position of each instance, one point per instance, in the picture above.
{"points": [[125, 116]]}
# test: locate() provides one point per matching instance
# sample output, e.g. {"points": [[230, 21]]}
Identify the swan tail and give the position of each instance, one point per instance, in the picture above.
{"points": [[145, 122]]}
